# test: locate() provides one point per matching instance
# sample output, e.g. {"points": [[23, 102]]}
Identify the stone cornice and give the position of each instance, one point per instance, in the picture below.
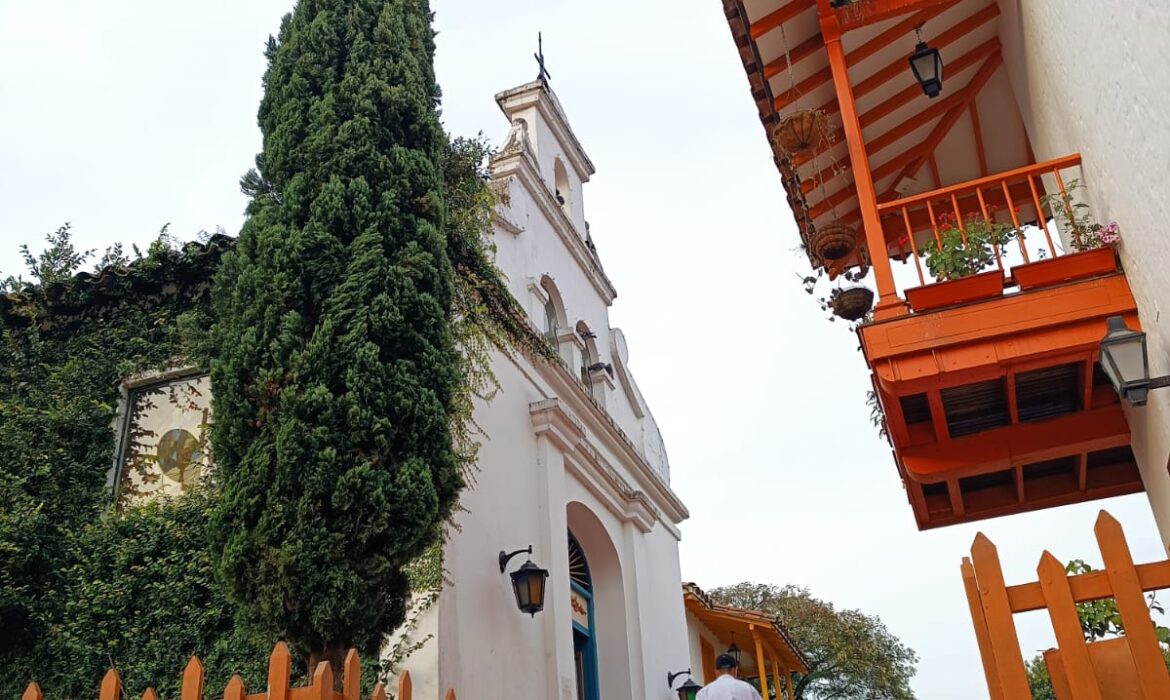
{"points": [[600, 426], [552, 418], [538, 94], [521, 166]]}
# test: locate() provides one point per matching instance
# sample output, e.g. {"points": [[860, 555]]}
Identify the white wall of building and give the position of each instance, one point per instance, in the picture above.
{"points": [[558, 454], [1090, 77]]}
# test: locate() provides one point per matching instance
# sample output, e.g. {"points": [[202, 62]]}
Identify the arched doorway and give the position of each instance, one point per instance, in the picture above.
{"points": [[584, 631]]}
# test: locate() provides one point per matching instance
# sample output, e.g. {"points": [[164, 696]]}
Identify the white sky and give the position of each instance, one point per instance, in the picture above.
{"points": [[124, 115]]}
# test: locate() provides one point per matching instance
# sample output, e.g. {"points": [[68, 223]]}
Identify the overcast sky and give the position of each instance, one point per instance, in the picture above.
{"points": [[125, 115]]}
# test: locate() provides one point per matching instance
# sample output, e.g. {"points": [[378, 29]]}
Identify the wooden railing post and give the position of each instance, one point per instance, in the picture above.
{"points": [[32, 692]]}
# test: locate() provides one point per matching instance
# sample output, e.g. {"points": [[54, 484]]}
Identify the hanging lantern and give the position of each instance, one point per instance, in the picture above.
{"points": [[528, 582], [799, 130], [927, 66]]}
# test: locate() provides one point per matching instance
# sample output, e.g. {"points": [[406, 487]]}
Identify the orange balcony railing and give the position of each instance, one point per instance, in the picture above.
{"points": [[1005, 214]]}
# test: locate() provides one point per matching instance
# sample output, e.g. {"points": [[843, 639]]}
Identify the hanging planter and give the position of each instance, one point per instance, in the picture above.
{"points": [[852, 303], [804, 128], [833, 241]]}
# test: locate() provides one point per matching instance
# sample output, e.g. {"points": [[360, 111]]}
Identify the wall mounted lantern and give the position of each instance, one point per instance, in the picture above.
{"points": [[927, 65], [688, 690], [1125, 361], [527, 582]]}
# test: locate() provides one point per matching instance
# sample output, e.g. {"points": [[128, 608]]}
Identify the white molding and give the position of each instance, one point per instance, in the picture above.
{"points": [[502, 222], [538, 94], [599, 477], [520, 166]]}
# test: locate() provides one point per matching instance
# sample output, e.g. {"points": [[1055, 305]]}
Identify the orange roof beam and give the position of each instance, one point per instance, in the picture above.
{"points": [[962, 98], [867, 13], [948, 122], [798, 54], [774, 19], [860, 53], [826, 175]]}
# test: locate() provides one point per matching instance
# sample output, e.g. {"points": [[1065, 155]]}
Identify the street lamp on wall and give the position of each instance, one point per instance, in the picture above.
{"points": [[1126, 362], [688, 690], [527, 582], [927, 65]]}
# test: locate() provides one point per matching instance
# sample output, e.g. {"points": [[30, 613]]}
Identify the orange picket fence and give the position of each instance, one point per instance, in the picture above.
{"points": [[1129, 667], [321, 686]]}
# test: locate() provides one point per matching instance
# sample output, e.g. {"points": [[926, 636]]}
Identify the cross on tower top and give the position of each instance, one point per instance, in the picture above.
{"points": [[543, 75]]}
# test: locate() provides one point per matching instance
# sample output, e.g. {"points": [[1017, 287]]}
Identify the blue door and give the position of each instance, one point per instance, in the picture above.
{"points": [[584, 640]]}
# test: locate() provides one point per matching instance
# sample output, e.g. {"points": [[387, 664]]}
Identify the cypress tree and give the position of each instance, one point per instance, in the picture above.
{"points": [[336, 376]]}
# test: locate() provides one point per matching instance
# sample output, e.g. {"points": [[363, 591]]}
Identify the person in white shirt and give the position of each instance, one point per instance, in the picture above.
{"points": [[726, 685]]}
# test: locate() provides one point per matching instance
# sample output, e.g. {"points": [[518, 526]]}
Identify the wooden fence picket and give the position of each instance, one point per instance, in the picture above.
{"points": [[1131, 603], [192, 688], [320, 687], [111, 686], [1082, 679], [405, 687], [1130, 667]]}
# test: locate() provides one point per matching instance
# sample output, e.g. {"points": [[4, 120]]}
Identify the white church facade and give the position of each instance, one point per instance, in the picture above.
{"points": [[572, 465]]}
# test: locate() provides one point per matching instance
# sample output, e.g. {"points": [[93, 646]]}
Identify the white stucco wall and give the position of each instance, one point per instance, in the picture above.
{"points": [[553, 459], [1090, 77]]}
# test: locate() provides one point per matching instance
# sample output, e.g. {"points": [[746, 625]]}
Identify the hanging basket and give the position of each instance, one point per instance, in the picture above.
{"points": [[799, 130], [851, 304], [834, 241]]}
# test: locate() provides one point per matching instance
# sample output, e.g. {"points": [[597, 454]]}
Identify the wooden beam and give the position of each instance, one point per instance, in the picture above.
{"points": [[947, 122], [981, 154], [777, 17], [888, 304], [900, 66], [867, 13], [1026, 597], [802, 51], [877, 43], [960, 64]]}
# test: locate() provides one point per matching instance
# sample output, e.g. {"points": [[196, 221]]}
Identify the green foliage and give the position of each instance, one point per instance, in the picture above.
{"points": [[967, 251], [1101, 618], [1038, 680], [1085, 232], [71, 575], [336, 375], [850, 654], [141, 597]]}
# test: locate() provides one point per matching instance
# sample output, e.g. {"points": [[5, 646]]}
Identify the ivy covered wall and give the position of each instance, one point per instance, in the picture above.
{"points": [[82, 587]]}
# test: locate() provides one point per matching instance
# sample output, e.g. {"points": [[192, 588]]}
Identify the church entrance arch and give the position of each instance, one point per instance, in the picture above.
{"points": [[600, 641]]}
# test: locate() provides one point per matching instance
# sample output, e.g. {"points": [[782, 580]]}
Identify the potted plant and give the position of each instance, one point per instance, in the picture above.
{"points": [[834, 241], [800, 129], [1093, 245], [957, 260], [852, 303]]}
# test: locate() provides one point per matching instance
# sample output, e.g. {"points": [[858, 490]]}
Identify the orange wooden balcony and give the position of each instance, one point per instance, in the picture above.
{"points": [[993, 398]]}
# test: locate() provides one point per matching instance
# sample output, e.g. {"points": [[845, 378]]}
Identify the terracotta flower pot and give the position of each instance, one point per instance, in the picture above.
{"points": [[1066, 268], [937, 295], [852, 304], [799, 130], [834, 241]]}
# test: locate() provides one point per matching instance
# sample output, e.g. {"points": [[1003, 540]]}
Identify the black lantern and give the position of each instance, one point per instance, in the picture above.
{"points": [[688, 690], [527, 582], [927, 65], [1125, 361], [734, 650]]}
